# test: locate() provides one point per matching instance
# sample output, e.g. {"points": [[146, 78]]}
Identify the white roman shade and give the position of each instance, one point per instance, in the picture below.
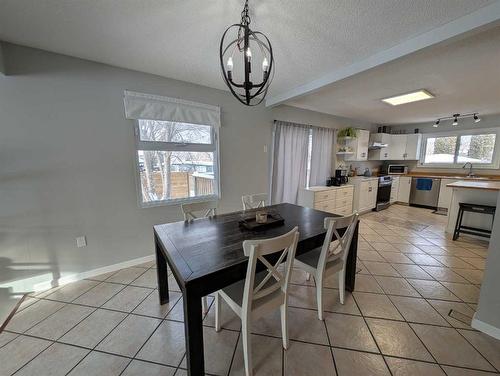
{"points": [[156, 107]]}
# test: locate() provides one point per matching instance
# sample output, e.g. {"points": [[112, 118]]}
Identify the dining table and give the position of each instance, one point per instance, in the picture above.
{"points": [[206, 255]]}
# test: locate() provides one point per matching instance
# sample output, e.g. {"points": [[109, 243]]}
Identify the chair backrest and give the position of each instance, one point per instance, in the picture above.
{"points": [[208, 209], [339, 248], [254, 201], [283, 246]]}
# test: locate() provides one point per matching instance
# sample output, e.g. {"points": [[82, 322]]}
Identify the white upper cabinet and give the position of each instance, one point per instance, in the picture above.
{"points": [[400, 147], [359, 146], [413, 144]]}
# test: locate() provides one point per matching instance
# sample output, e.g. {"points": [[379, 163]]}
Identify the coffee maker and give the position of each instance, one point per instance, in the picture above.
{"points": [[341, 176]]}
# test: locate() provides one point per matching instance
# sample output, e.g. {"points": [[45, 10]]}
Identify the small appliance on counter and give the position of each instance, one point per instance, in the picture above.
{"points": [[342, 176], [395, 169]]}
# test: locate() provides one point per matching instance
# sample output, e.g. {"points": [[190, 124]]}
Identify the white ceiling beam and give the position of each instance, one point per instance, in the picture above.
{"points": [[474, 20]]}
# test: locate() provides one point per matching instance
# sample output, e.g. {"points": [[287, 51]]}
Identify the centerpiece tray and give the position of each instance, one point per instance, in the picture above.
{"points": [[250, 223]]}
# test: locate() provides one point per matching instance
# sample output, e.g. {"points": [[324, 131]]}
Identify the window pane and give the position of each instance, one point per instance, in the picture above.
{"points": [[167, 131], [476, 148], [169, 175], [440, 149]]}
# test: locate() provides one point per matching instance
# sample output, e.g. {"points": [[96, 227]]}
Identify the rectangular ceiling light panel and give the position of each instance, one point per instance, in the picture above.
{"points": [[415, 96]]}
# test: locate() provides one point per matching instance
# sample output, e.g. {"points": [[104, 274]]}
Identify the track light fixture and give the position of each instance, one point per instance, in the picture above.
{"points": [[456, 117]]}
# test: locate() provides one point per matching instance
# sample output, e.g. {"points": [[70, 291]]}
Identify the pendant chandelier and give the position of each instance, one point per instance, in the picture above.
{"points": [[247, 47]]}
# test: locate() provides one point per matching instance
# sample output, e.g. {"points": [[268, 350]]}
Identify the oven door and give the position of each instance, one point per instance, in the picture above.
{"points": [[384, 193]]}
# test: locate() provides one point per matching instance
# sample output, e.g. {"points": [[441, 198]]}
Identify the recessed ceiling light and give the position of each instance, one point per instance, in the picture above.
{"points": [[415, 96]]}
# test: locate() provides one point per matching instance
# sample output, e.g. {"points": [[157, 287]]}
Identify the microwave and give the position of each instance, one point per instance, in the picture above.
{"points": [[397, 169]]}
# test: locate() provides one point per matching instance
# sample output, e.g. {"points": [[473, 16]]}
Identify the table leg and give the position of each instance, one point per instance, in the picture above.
{"points": [[350, 275], [161, 273], [193, 329]]}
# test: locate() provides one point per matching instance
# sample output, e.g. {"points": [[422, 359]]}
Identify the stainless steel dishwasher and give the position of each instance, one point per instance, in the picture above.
{"points": [[425, 195]]}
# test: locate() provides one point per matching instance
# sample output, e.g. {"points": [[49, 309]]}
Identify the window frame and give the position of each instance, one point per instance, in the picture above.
{"points": [[495, 163], [177, 146]]}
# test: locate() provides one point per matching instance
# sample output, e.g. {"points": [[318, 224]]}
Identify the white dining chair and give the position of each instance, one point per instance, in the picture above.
{"points": [[190, 211], [331, 257], [261, 293], [254, 201]]}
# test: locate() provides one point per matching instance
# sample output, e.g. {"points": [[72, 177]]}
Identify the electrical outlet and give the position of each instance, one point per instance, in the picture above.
{"points": [[81, 242], [265, 148]]}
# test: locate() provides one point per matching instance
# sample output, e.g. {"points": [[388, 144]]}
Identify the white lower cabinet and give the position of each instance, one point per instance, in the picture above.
{"points": [[404, 188], [445, 194], [365, 193], [335, 200]]}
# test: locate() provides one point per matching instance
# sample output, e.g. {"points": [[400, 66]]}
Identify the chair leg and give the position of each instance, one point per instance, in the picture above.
{"points": [[217, 312], [342, 286], [205, 305], [247, 347], [284, 325], [319, 297]]}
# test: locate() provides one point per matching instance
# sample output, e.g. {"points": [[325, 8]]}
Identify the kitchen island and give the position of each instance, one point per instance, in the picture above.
{"points": [[481, 192]]}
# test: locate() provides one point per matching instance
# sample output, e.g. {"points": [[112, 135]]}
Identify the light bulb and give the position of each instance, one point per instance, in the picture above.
{"points": [[249, 53], [230, 64], [265, 64], [477, 119]]}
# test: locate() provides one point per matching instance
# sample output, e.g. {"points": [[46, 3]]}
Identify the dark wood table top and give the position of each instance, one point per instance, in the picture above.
{"points": [[205, 246]]}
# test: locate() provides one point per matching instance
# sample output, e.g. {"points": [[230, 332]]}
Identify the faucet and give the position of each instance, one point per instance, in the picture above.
{"points": [[470, 174]]}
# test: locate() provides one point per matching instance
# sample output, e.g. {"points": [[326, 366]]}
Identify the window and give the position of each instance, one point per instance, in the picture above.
{"points": [[455, 149], [177, 162]]}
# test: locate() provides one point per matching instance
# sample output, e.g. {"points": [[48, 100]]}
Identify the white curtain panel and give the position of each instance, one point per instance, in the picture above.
{"points": [[321, 155], [156, 107], [290, 161]]}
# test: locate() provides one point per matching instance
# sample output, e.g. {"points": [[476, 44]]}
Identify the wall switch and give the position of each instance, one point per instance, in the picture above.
{"points": [[265, 148], [81, 242]]}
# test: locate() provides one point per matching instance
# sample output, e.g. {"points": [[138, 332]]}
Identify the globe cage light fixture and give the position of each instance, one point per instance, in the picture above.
{"points": [[247, 40]]}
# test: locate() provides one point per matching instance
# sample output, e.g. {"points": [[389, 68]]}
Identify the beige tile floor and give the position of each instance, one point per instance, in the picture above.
{"points": [[410, 275]]}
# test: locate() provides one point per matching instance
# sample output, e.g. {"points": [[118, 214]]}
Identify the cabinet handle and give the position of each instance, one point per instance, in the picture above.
{"points": [[369, 189]]}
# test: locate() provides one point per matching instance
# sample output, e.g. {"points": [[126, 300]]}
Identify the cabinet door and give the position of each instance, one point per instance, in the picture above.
{"points": [[362, 145], [404, 189], [445, 194], [413, 144], [363, 195], [397, 147], [372, 194]]}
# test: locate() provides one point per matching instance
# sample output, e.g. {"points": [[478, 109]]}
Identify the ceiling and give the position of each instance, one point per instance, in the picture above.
{"points": [[180, 39], [464, 76]]}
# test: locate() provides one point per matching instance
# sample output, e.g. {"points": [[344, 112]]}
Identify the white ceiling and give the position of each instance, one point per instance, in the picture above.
{"points": [[180, 39], [464, 76]]}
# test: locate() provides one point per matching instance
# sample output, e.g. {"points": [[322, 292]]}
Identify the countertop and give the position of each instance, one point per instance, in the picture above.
{"points": [[319, 188], [451, 176], [476, 184]]}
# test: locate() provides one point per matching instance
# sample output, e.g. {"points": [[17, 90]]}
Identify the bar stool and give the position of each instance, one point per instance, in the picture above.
{"points": [[472, 208]]}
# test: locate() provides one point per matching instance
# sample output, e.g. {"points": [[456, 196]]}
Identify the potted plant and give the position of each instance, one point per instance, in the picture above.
{"points": [[348, 133]]}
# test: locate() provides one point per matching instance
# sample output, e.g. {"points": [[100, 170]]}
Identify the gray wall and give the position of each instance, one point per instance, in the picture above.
{"points": [[2, 66], [488, 310], [67, 161]]}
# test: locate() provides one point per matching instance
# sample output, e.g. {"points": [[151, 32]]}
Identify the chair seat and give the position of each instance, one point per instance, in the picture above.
{"points": [[235, 291], [311, 258]]}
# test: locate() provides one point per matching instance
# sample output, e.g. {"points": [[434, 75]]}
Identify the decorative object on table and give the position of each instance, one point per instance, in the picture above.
{"points": [[348, 133], [261, 217], [271, 219], [248, 46], [456, 117]]}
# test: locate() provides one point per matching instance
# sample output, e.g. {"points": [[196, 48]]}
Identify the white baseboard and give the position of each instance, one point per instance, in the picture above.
{"points": [[92, 273], [485, 328]]}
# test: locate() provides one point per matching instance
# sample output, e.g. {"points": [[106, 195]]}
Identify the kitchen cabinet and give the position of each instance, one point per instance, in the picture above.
{"points": [[394, 189], [381, 154], [404, 188], [359, 146], [413, 145], [365, 193], [445, 194], [400, 147], [335, 200]]}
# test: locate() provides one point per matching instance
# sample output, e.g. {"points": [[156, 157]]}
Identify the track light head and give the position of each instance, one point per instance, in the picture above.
{"points": [[477, 119], [437, 123], [455, 119]]}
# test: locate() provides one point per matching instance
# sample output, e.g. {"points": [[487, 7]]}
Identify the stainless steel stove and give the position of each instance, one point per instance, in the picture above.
{"points": [[383, 192]]}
